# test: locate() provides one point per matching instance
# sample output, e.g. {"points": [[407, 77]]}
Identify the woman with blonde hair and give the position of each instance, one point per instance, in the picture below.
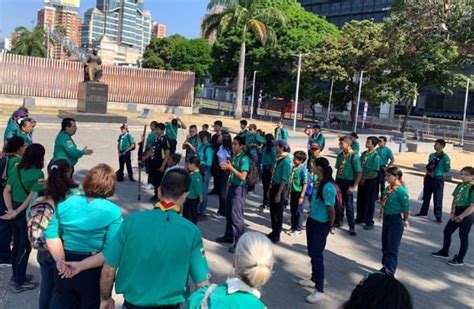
{"points": [[253, 263]]}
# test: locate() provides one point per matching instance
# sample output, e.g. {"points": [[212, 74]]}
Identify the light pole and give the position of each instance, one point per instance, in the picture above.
{"points": [[300, 56], [253, 94], [465, 111], [330, 99], [358, 101]]}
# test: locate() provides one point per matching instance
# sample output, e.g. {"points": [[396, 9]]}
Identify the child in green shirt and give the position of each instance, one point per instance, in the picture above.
{"points": [[298, 182], [194, 198]]}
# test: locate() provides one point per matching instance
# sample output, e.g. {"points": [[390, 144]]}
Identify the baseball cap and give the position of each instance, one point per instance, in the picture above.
{"points": [[19, 113]]}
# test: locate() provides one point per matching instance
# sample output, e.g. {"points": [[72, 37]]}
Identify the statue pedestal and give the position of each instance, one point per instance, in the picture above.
{"points": [[92, 97]]}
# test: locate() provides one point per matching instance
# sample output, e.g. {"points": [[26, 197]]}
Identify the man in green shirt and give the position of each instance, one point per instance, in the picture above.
{"points": [[386, 160], [281, 132], [355, 144], [125, 146], [191, 143], [64, 145], [148, 145], [315, 136], [366, 192], [236, 193], [24, 131], [243, 128], [171, 129], [438, 165], [153, 271], [206, 156]]}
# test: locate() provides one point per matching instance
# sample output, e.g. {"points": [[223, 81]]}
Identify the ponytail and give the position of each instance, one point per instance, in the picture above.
{"points": [[59, 181], [327, 175]]}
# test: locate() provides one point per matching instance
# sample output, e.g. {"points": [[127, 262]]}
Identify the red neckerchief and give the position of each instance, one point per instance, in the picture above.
{"points": [[166, 206]]}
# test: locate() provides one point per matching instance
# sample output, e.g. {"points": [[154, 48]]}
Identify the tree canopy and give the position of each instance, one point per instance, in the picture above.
{"points": [[30, 43]]}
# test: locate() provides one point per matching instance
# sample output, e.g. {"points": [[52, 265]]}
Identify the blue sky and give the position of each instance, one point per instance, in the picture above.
{"points": [[180, 16]]}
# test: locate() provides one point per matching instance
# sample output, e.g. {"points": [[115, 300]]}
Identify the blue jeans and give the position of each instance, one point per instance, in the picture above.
{"points": [[433, 186], [205, 189], [316, 236], [235, 224], [48, 298], [392, 231]]}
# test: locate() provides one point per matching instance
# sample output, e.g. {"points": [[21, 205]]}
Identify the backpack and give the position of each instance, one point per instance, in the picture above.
{"points": [[339, 201], [253, 176], [3, 171], [204, 154], [38, 221], [310, 184]]}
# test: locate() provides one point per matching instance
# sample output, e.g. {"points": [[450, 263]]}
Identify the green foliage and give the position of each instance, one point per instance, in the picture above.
{"points": [[30, 43]]}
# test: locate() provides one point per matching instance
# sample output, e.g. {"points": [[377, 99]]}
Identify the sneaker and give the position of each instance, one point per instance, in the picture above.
{"points": [[147, 186], [315, 297], [439, 221], [218, 216], [440, 254], [290, 231], [27, 286], [306, 283], [352, 232], [232, 249], [420, 215], [274, 239], [294, 233], [28, 278], [261, 208], [368, 227], [224, 239], [456, 261]]}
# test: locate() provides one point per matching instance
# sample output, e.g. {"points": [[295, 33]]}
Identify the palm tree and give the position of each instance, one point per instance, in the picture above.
{"points": [[30, 43], [244, 15]]}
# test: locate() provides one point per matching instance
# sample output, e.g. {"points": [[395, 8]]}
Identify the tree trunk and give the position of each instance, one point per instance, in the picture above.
{"points": [[240, 83], [353, 112], [408, 108]]}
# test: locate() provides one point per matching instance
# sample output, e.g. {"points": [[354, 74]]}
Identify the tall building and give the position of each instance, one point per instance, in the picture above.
{"points": [[339, 12], [5, 44], [64, 20], [159, 30]]}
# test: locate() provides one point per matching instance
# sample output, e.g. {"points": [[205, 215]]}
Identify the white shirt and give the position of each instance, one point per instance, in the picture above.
{"points": [[223, 155]]}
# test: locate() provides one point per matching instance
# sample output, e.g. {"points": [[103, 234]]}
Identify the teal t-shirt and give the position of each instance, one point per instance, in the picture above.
{"points": [[240, 162], [125, 141], [319, 207], [66, 148], [11, 130], [150, 140], [172, 131], [347, 165], [318, 139], [281, 134], [370, 164], [25, 136], [398, 202], [83, 225], [195, 142], [355, 146], [195, 188], [386, 155], [250, 139], [444, 165], [269, 157], [206, 154], [282, 171]]}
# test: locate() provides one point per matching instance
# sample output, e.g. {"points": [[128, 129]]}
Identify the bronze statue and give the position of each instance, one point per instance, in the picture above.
{"points": [[93, 67]]}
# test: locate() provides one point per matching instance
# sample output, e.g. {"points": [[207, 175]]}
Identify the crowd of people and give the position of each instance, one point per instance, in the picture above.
{"points": [[84, 246]]}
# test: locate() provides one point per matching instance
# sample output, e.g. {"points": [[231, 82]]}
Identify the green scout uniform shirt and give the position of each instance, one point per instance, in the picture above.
{"points": [[386, 155], [195, 188], [355, 146], [370, 163], [269, 158], [259, 139], [282, 170], [298, 180], [318, 139], [172, 131], [281, 134], [240, 162], [11, 130], [251, 138], [463, 195], [25, 136], [319, 208], [244, 132], [398, 202], [195, 142], [29, 178], [150, 140], [13, 162], [206, 154], [125, 141], [351, 167], [443, 167], [155, 251], [66, 148]]}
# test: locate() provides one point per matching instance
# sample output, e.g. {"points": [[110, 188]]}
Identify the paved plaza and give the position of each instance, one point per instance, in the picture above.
{"points": [[432, 283]]}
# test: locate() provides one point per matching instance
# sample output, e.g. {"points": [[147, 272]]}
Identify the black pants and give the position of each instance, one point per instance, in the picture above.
{"points": [[216, 173], [266, 182], [392, 232], [433, 186], [223, 186], [81, 291], [366, 196], [48, 298], [235, 225], [156, 176], [347, 203], [173, 144], [276, 212], [297, 211], [5, 233], [464, 229], [125, 159], [128, 305], [21, 246], [316, 236], [381, 182], [190, 209]]}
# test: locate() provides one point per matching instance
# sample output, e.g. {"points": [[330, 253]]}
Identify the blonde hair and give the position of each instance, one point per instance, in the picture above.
{"points": [[254, 259]]}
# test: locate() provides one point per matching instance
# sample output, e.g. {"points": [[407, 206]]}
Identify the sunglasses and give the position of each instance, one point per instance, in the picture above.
{"points": [[315, 148]]}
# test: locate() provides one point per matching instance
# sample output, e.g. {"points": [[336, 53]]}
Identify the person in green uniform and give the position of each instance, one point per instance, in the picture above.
{"points": [[315, 136], [280, 180], [24, 181], [148, 145], [355, 144], [12, 125], [64, 145], [349, 173], [253, 263], [395, 211], [243, 128], [125, 146], [206, 156], [154, 271], [171, 129], [269, 156], [386, 160], [238, 167], [194, 198], [462, 217], [25, 127], [297, 183], [281, 132], [438, 165], [192, 142], [252, 148], [367, 190]]}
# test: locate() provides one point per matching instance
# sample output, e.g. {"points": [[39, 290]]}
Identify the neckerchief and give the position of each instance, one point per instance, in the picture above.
{"points": [[167, 206], [340, 170], [389, 192], [364, 163], [236, 285]]}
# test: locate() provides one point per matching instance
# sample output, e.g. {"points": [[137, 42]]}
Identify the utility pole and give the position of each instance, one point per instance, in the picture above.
{"points": [[300, 56], [465, 112], [253, 94], [358, 100]]}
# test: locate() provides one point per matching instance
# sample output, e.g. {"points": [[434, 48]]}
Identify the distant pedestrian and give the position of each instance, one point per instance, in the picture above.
{"points": [[462, 217], [13, 125], [355, 144], [148, 145], [224, 155], [172, 129], [206, 156], [280, 131], [252, 148], [269, 157], [205, 127], [297, 188], [125, 146], [195, 194], [25, 127], [243, 128], [386, 160], [315, 136], [314, 152], [215, 143], [191, 143]]}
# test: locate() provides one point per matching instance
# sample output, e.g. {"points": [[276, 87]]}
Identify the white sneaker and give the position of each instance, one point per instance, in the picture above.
{"points": [[306, 283], [147, 186], [315, 297]]}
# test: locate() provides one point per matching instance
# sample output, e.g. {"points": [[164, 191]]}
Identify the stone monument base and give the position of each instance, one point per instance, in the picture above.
{"points": [[92, 117]]}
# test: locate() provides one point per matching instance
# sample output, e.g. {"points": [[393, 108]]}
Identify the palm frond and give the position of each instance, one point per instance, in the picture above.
{"points": [[259, 29], [241, 15], [271, 16], [213, 22], [220, 3]]}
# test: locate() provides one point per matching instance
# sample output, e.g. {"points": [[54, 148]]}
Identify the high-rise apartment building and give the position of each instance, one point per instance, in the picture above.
{"points": [[5, 44], [159, 30]]}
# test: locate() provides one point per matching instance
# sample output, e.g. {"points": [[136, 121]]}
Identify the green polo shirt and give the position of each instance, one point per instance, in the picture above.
{"points": [[398, 202], [29, 179], [66, 148], [195, 188], [125, 141], [281, 134], [351, 167], [370, 163], [11, 130], [150, 139], [251, 138], [282, 170], [221, 298], [319, 207], [206, 154], [240, 162], [269, 157], [298, 178], [172, 131], [13, 162], [155, 252], [355, 146], [443, 167], [386, 155], [463, 195], [318, 139], [25, 136]]}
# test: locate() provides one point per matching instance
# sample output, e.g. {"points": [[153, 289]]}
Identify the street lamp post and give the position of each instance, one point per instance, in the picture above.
{"points": [[253, 94], [465, 111], [358, 101], [330, 99], [300, 56]]}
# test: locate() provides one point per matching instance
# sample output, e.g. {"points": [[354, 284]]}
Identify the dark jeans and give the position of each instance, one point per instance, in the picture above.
{"points": [[205, 189], [392, 231], [125, 159], [235, 226], [190, 209], [381, 182], [276, 212], [366, 195], [316, 236], [297, 211], [128, 305], [173, 144], [223, 185], [156, 176], [347, 203], [266, 182], [21, 247], [433, 186], [216, 173], [81, 291], [464, 229], [5, 233], [48, 299]]}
